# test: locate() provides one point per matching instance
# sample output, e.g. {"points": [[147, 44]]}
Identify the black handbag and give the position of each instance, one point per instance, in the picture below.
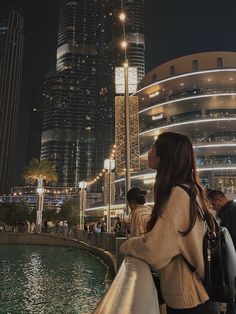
{"points": [[220, 264], [219, 260]]}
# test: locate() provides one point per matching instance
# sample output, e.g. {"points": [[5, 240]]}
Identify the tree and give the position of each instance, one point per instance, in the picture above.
{"points": [[40, 169], [11, 213], [69, 212]]}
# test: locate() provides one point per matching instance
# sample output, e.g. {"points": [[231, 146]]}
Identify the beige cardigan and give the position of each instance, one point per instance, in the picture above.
{"points": [[163, 247], [138, 220]]}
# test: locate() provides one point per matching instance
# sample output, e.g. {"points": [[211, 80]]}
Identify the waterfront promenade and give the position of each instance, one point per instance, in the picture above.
{"points": [[103, 245], [127, 293], [133, 287]]}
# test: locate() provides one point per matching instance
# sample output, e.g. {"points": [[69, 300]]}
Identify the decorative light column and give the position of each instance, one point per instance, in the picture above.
{"points": [[40, 190], [126, 115], [127, 132], [82, 203], [109, 165], [124, 45]]}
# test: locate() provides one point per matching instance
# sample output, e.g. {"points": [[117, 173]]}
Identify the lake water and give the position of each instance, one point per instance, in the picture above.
{"points": [[36, 279]]}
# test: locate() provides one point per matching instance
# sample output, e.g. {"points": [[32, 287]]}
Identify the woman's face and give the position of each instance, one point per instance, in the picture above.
{"points": [[153, 159]]}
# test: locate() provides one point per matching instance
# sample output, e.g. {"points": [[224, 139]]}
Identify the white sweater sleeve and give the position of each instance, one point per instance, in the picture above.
{"points": [[157, 247]]}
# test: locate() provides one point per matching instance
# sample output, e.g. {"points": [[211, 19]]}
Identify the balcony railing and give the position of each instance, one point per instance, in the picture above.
{"points": [[152, 125], [194, 93], [201, 143]]}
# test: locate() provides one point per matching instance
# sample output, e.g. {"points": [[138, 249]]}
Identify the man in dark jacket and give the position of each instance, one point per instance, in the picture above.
{"points": [[226, 212]]}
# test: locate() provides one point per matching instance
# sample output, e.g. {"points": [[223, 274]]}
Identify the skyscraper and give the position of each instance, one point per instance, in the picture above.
{"points": [[35, 125], [78, 122], [11, 61], [69, 113]]}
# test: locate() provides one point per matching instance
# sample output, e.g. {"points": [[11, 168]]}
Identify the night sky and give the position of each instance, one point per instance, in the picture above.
{"points": [[172, 29]]}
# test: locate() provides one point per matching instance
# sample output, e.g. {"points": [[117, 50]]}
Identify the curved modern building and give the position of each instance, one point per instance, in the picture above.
{"points": [[194, 95]]}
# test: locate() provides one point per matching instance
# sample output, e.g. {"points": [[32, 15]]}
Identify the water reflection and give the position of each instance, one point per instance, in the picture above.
{"points": [[50, 280]]}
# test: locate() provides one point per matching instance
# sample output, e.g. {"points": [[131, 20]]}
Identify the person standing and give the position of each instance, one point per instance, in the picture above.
{"points": [[140, 213], [226, 212], [117, 227], [176, 228]]}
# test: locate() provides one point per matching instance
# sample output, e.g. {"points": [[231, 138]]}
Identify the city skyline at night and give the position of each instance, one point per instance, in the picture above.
{"points": [[171, 30], [78, 119]]}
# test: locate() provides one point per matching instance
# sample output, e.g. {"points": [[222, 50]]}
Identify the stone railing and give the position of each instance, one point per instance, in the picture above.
{"points": [[132, 291]]}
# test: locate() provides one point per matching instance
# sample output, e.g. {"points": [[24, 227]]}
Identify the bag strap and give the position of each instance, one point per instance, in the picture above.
{"points": [[185, 188], [204, 217]]}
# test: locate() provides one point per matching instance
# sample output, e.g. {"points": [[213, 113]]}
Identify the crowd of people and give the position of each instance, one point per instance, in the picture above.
{"points": [[169, 236], [118, 227]]}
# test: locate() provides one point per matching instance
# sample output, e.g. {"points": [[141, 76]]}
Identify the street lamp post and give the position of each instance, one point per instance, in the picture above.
{"points": [[82, 198], [109, 165], [40, 191], [127, 133], [124, 45]]}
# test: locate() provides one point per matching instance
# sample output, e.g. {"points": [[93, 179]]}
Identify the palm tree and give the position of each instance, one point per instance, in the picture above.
{"points": [[39, 171]]}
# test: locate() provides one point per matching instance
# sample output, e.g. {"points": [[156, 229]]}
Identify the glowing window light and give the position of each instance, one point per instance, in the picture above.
{"points": [[157, 117], [124, 44], [148, 181], [154, 94], [122, 17]]}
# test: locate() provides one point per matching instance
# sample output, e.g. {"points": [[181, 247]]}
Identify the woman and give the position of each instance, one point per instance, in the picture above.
{"points": [[140, 213], [175, 230]]}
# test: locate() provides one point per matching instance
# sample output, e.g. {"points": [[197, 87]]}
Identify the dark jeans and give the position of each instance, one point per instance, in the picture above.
{"points": [[206, 308]]}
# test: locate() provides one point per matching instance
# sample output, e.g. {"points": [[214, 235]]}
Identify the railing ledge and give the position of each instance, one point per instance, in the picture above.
{"points": [[132, 291]]}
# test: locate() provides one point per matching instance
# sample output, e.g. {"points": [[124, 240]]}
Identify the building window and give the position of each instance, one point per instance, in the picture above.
{"points": [[219, 62], [172, 70], [195, 65]]}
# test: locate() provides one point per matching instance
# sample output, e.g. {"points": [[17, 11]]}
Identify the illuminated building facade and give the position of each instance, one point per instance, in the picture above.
{"points": [[78, 118], [54, 197], [194, 95], [68, 136], [11, 61]]}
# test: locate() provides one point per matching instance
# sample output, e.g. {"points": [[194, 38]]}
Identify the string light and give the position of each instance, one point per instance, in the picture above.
{"points": [[122, 17], [124, 44]]}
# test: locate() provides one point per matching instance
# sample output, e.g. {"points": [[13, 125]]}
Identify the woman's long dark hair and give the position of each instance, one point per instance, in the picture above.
{"points": [[176, 166]]}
